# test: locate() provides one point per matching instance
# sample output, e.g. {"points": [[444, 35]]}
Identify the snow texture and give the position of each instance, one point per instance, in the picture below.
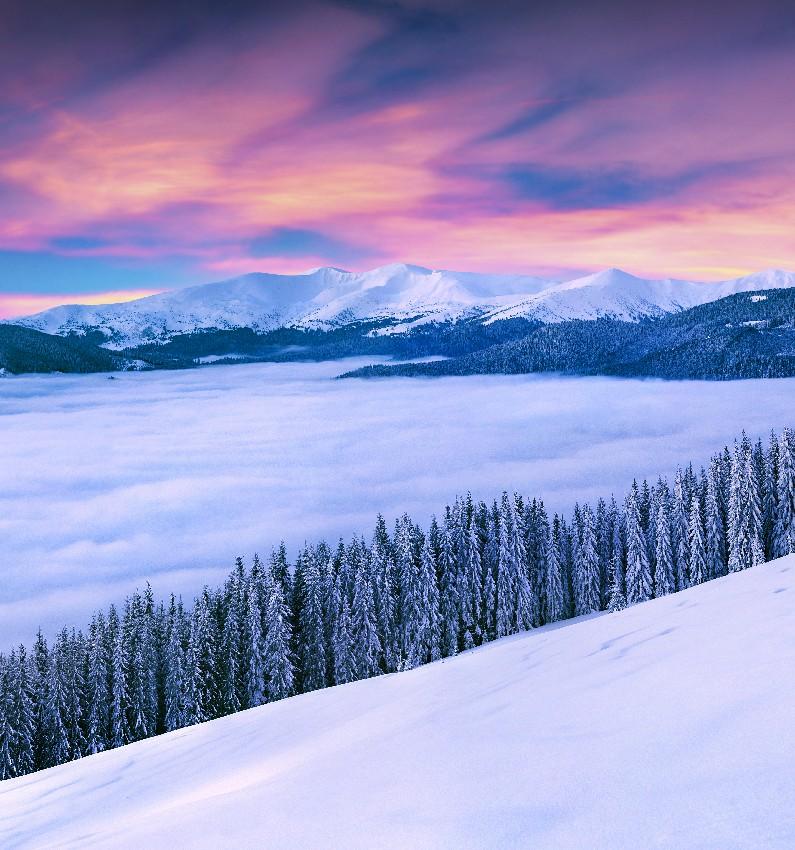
{"points": [[167, 476], [402, 294], [668, 724]]}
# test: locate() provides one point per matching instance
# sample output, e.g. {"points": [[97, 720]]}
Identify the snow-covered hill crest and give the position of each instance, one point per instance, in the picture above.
{"points": [[656, 726], [398, 295]]}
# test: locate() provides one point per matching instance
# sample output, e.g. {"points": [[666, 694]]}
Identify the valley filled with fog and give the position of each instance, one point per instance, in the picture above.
{"points": [[168, 476]]}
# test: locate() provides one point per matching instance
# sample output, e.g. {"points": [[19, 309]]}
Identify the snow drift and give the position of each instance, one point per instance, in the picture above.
{"points": [[668, 724]]}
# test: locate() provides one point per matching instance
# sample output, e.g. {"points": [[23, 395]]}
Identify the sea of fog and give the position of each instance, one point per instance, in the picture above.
{"points": [[167, 476]]}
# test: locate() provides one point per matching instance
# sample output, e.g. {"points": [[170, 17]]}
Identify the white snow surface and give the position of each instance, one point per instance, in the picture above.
{"points": [[402, 294], [667, 725]]}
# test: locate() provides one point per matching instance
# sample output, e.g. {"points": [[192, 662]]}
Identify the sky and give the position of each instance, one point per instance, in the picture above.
{"points": [[109, 484], [146, 145]]}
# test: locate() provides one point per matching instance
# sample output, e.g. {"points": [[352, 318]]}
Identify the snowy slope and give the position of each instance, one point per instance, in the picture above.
{"points": [[321, 298], [666, 725], [616, 294], [402, 294]]}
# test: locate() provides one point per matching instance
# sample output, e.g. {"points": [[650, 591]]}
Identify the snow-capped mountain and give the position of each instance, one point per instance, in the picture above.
{"points": [[400, 295], [684, 701]]}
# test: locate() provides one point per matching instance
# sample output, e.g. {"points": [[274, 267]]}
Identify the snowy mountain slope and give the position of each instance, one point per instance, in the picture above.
{"points": [[616, 294], [400, 294], [667, 725], [321, 298]]}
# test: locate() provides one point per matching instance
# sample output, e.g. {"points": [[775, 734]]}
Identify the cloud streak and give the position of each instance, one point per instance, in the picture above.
{"points": [[388, 130]]}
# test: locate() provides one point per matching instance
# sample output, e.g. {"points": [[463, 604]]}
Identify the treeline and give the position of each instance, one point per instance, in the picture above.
{"points": [[401, 599], [748, 335], [25, 350], [370, 338]]}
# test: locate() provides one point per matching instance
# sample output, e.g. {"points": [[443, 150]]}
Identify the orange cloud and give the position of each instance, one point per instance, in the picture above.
{"points": [[15, 305]]}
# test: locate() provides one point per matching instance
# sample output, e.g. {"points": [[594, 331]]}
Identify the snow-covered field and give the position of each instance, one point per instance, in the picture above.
{"points": [[668, 725], [169, 475]]}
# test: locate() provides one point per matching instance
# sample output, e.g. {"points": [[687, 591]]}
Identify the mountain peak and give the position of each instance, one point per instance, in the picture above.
{"points": [[400, 295]]}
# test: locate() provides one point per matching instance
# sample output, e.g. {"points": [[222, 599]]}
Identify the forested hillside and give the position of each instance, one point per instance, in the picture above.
{"points": [[355, 610], [749, 335], [25, 350]]}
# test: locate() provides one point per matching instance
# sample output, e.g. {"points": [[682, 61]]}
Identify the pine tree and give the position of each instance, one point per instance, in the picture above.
{"points": [[515, 603], [384, 594], [22, 713], [553, 588], [696, 545], [277, 662], [97, 687], [679, 532], [784, 533], [314, 648], [449, 604], [638, 578], [716, 532], [344, 670], [7, 766], [56, 710], [618, 598], [586, 567], [471, 587], [366, 645], [175, 717], [664, 571]]}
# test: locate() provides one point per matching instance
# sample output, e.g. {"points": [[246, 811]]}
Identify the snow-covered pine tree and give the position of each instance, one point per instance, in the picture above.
{"points": [[314, 651], [617, 595], [586, 567], [278, 669], [554, 608], [384, 594], [119, 727], [715, 530], [678, 518], [664, 570], [471, 588], [174, 686], [22, 713], [449, 603], [56, 710], [638, 577], [366, 645], [536, 524], [342, 647], [490, 561], [98, 695], [8, 768], [514, 595], [202, 694], [770, 491], [696, 544], [784, 533]]}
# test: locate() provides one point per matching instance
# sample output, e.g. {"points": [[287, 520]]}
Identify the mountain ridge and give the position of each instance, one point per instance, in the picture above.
{"points": [[399, 295]]}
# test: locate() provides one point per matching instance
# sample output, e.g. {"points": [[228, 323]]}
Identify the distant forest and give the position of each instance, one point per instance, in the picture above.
{"points": [[749, 335], [402, 598]]}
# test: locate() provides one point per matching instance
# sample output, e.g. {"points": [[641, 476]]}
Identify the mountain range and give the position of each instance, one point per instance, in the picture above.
{"points": [[391, 299]]}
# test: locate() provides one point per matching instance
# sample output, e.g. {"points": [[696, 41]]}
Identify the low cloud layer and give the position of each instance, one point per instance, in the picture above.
{"points": [[167, 477]]}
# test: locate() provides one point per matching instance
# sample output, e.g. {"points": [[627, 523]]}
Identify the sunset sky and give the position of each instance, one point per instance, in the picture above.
{"points": [[147, 145]]}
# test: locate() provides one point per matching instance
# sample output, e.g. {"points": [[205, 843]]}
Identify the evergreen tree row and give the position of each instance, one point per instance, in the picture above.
{"points": [[406, 597]]}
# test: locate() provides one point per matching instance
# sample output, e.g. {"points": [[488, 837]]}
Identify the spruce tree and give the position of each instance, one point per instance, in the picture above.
{"points": [[638, 577], [664, 571], [696, 545], [784, 530], [553, 587], [716, 532]]}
